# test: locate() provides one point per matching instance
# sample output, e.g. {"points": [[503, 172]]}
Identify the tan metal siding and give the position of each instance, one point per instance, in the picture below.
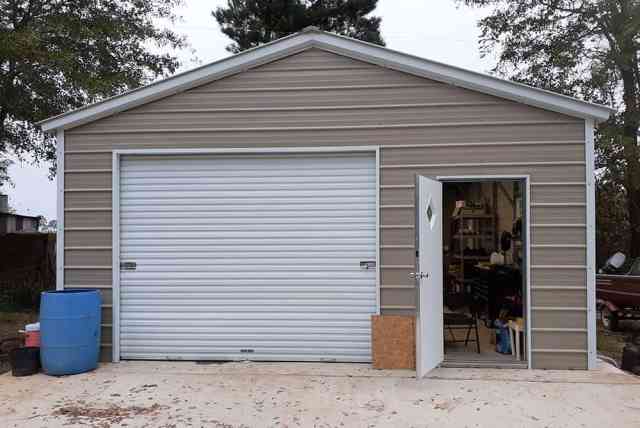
{"points": [[396, 235], [564, 234], [77, 237], [88, 276], [566, 297], [541, 255], [558, 214], [561, 318], [469, 132], [559, 172], [557, 152], [357, 115], [87, 179], [91, 256], [87, 198], [560, 276], [560, 193], [317, 98], [88, 217], [74, 161], [379, 94], [560, 361], [397, 255]]}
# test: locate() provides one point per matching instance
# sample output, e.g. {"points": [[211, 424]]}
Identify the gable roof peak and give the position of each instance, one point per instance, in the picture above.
{"points": [[310, 29], [313, 37]]}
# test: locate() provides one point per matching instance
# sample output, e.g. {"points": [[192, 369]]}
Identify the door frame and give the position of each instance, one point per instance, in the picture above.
{"points": [[115, 207], [527, 244]]}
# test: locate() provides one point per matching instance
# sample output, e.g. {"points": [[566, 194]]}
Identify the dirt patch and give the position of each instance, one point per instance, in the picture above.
{"points": [[104, 417]]}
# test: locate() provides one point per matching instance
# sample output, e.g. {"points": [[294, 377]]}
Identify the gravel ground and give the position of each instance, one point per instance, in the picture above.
{"points": [[233, 395]]}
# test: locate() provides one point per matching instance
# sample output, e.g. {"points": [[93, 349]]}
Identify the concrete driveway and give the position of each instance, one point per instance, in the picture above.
{"points": [[168, 394]]}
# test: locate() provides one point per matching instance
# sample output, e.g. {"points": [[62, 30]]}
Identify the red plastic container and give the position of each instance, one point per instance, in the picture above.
{"points": [[32, 335], [32, 339]]}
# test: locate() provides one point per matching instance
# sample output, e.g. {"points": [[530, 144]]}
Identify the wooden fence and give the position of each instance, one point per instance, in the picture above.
{"points": [[27, 267]]}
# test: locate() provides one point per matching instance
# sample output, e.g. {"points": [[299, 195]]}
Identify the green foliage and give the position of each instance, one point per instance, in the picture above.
{"points": [[587, 49], [56, 55], [250, 23], [612, 233]]}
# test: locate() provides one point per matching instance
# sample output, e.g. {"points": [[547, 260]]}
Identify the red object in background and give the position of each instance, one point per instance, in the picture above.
{"points": [[31, 335], [32, 339]]}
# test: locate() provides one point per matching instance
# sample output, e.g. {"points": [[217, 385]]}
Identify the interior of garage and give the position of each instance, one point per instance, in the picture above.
{"points": [[484, 282]]}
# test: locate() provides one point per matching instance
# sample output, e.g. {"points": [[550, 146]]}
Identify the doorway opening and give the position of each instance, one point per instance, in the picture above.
{"points": [[484, 266]]}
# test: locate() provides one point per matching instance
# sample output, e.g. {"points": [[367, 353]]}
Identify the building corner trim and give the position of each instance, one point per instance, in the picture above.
{"points": [[115, 248], [589, 130], [60, 210]]}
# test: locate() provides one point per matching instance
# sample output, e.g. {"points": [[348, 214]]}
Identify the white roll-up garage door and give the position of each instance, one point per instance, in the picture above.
{"points": [[227, 257]]}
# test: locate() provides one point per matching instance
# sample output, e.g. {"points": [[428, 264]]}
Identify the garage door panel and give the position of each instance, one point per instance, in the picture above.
{"points": [[254, 234], [273, 263], [290, 354], [240, 339], [248, 257], [294, 193], [230, 254], [240, 331], [168, 281], [171, 272], [291, 202], [297, 175], [269, 343], [257, 307], [249, 183], [341, 289], [249, 320], [264, 243], [197, 216]]}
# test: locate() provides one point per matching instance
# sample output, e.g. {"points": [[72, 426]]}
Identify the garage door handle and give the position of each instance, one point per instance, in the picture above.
{"points": [[128, 266], [368, 264]]}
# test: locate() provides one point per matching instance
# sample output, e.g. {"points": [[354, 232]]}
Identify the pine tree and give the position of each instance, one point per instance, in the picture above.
{"points": [[250, 23]]}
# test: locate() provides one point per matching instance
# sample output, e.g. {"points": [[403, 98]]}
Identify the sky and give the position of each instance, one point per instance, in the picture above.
{"points": [[439, 30]]}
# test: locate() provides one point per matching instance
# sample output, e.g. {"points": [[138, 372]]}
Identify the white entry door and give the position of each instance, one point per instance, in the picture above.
{"points": [[429, 332]]}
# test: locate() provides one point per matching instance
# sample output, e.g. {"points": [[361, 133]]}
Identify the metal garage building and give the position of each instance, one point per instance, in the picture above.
{"points": [[263, 206]]}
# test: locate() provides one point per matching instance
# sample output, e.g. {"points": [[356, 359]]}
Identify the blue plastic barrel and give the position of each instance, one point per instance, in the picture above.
{"points": [[69, 331]]}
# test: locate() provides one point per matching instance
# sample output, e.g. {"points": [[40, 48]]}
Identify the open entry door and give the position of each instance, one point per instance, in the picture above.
{"points": [[429, 329]]}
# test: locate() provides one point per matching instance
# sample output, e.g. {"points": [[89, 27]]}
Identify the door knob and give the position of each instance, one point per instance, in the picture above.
{"points": [[419, 275]]}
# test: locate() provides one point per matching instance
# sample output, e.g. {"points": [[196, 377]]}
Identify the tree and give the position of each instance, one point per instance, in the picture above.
{"points": [[56, 55], [250, 23], [612, 233], [42, 223], [588, 49]]}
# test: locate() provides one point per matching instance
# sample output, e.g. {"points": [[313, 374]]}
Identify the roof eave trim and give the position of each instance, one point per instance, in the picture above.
{"points": [[343, 45]]}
